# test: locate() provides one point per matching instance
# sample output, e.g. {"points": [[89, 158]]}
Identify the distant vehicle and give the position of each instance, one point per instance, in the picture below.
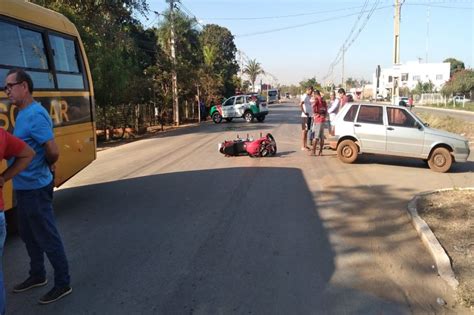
{"points": [[394, 130], [403, 101], [287, 95], [272, 96], [248, 107], [379, 98], [459, 99]]}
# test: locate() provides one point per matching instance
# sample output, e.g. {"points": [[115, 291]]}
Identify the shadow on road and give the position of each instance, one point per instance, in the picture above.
{"points": [[206, 242], [462, 167]]}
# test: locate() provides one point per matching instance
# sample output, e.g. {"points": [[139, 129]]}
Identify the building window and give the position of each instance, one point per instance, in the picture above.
{"points": [[439, 77], [390, 78], [416, 78], [404, 76]]}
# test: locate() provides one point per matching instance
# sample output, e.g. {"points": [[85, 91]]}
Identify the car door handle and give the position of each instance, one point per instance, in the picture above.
{"points": [[357, 125], [390, 128]]}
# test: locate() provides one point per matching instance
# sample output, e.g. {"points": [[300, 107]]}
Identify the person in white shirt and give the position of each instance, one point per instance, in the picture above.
{"points": [[306, 116], [333, 110]]}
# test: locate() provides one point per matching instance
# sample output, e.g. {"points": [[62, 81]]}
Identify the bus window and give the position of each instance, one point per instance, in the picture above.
{"points": [[25, 48], [66, 63], [48, 47]]}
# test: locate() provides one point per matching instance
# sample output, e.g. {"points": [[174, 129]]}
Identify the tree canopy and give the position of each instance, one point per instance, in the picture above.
{"points": [[456, 65]]}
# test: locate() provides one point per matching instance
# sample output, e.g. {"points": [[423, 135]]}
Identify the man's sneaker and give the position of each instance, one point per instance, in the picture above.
{"points": [[29, 283], [55, 294]]}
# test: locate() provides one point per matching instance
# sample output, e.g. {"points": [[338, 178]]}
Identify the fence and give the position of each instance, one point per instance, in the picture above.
{"points": [[126, 120]]}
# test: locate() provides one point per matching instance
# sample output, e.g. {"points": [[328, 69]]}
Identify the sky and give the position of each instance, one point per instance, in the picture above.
{"points": [[295, 40]]}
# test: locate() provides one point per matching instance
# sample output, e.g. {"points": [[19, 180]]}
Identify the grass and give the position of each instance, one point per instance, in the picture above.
{"points": [[448, 123]]}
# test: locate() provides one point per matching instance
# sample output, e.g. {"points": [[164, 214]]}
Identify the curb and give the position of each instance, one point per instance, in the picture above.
{"points": [[442, 260]]}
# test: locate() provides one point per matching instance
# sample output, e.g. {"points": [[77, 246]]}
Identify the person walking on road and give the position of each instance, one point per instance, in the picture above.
{"points": [[319, 120], [306, 116], [34, 191], [10, 147]]}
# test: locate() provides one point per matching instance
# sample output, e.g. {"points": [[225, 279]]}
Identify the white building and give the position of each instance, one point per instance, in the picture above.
{"points": [[409, 74]]}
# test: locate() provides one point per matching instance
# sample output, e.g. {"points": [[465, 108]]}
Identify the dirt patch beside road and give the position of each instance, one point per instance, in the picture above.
{"points": [[450, 216]]}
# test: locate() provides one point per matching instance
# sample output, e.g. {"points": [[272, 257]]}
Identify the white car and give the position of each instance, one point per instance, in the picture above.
{"points": [[394, 130]]}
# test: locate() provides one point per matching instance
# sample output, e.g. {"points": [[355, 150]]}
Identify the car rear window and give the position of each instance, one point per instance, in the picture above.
{"points": [[370, 114], [350, 116]]}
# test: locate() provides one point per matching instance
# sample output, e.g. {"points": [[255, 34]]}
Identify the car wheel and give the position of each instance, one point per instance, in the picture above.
{"points": [[228, 119], [248, 116], [440, 160], [260, 118], [217, 118], [347, 151]]}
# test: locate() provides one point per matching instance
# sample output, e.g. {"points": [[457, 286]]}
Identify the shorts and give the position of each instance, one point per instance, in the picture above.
{"points": [[318, 130], [306, 123]]}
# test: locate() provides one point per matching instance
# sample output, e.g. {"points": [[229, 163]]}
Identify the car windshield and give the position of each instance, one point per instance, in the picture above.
{"points": [[419, 119]]}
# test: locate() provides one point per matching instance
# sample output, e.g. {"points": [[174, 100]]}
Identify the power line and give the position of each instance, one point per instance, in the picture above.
{"points": [[304, 24], [280, 16], [349, 41]]}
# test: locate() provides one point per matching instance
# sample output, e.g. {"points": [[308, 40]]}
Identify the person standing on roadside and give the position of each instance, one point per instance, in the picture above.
{"points": [[319, 120], [306, 116], [410, 102], [10, 147], [34, 191], [332, 111], [342, 98]]}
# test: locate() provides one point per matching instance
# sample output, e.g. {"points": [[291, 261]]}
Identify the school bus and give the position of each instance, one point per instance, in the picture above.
{"points": [[48, 47]]}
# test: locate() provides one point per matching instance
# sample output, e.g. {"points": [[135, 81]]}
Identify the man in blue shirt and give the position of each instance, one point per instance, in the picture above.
{"points": [[34, 190]]}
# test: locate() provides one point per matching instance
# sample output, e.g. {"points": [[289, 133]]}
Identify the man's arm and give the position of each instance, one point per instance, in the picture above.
{"points": [[51, 152], [22, 160]]}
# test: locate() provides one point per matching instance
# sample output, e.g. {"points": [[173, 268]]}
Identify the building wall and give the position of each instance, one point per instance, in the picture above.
{"points": [[410, 74]]}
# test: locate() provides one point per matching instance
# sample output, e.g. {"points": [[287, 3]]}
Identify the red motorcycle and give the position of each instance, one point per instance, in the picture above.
{"points": [[264, 146]]}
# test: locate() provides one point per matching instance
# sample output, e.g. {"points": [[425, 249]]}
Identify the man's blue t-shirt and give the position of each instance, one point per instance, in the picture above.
{"points": [[34, 126]]}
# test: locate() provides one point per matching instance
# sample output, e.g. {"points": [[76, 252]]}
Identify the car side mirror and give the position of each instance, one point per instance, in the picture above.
{"points": [[418, 125]]}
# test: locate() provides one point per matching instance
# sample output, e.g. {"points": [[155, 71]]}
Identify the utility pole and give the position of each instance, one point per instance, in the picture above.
{"points": [[199, 102], [174, 77], [427, 32], [342, 79], [396, 50]]}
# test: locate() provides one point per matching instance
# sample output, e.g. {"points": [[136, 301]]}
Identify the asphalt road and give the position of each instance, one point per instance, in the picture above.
{"points": [[168, 225]]}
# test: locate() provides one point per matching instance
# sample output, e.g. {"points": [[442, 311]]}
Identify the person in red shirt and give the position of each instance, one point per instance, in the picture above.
{"points": [[320, 109], [10, 147]]}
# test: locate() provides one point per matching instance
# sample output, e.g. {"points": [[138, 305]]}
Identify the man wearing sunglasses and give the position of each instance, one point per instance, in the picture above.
{"points": [[34, 190]]}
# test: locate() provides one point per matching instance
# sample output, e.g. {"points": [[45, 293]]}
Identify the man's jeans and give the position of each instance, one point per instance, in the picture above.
{"points": [[37, 228], [3, 235]]}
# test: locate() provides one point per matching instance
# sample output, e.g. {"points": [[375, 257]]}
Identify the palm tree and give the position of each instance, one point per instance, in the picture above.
{"points": [[253, 69]]}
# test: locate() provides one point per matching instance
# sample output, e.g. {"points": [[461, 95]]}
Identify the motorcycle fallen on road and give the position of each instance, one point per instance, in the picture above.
{"points": [[261, 147]]}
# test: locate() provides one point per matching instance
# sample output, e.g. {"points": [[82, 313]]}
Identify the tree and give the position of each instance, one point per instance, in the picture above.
{"points": [[427, 87], [461, 83], [456, 65], [224, 65], [351, 83], [310, 82], [253, 69]]}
